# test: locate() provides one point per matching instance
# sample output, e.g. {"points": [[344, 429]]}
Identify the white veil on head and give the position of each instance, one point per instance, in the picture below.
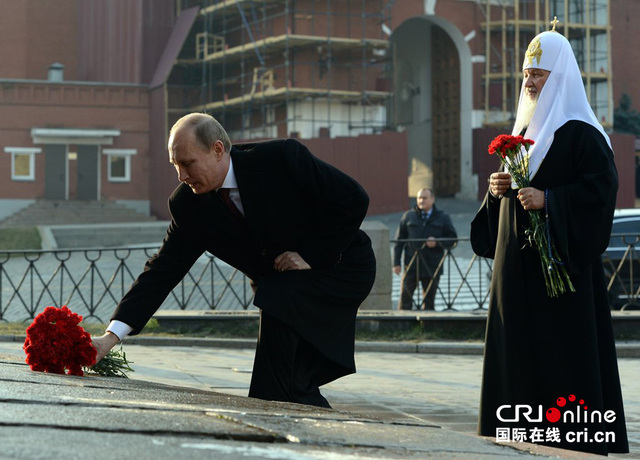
{"points": [[562, 98]]}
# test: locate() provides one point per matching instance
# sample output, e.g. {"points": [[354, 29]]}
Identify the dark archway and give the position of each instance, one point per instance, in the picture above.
{"points": [[432, 102]]}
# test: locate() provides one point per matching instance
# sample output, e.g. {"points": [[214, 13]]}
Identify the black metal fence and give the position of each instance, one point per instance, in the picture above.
{"points": [[622, 270], [459, 280], [92, 281]]}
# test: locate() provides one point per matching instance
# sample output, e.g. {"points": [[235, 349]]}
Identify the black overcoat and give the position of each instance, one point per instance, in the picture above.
{"points": [[413, 227], [539, 349], [292, 202]]}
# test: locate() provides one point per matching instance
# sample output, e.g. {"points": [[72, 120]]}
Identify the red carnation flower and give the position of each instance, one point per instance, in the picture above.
{"points": [[55, 342]]}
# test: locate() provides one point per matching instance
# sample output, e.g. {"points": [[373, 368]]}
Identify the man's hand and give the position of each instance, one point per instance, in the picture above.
{"points": [[290, 260], [531, 198], [499, 183], [104, 344], [431, 242], [396, 269]]}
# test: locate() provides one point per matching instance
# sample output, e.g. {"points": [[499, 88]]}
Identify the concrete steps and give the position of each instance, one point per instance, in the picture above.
{"points": [[103, 235], [50, 212]]}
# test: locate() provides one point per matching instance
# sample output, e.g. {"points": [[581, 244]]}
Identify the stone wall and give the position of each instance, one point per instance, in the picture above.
{"points": [[380, 297]]}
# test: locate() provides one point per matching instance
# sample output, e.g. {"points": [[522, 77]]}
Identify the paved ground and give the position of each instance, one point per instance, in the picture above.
{"points": [[398, 405], [405, 388]]}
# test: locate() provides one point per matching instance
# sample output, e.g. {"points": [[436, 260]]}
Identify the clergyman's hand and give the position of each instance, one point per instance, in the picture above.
{"points": [[499, 183], [104, 344], [290, 260], [531, 198], [396, 269]]}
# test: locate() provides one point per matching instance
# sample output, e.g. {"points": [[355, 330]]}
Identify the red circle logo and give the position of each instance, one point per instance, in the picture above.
{"points": [[553, 415]]}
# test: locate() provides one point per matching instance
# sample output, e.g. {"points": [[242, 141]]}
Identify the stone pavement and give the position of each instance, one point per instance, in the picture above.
{"points": [[398, 405]]}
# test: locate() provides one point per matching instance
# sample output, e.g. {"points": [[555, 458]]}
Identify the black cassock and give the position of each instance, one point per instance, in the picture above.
{"points": [[554, 354]]}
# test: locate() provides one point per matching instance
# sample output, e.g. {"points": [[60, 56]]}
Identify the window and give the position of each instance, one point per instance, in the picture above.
{"points": [[23, 163], [119, 164]]}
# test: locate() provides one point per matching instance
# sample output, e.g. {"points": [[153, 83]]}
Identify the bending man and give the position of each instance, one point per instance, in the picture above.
{"points": [[290, 223]]}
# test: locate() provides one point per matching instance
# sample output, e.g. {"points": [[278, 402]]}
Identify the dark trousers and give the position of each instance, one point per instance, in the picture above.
{"points": [[410, 282], [286, 366]]}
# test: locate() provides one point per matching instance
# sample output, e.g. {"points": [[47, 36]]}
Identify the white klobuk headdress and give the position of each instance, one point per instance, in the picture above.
{"points": [[562, 98]]}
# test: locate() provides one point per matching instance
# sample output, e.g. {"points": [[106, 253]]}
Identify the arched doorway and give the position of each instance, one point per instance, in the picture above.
{"points": [[432, 102]]}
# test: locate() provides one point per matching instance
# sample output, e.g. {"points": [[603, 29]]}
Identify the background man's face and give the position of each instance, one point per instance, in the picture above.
{"points": [[534, 80], [201, 169], [425, 200]]}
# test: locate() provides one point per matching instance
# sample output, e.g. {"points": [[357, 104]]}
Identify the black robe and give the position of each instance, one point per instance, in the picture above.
{"points": [[539, 349]]}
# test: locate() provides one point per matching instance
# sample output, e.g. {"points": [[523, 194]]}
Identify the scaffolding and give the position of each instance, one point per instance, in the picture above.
{"points": [[509, 27], [276, 68]]}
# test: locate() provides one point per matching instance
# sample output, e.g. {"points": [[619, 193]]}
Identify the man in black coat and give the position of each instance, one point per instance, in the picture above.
{"points": [[290, 223], [423, 235]]}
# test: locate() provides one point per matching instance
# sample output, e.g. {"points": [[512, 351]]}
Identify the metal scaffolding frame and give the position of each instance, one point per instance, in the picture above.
{"points": [[263, 67]]}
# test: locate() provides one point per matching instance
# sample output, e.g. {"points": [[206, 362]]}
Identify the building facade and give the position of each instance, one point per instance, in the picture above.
{"points": [[74, 99], [400, 94]]}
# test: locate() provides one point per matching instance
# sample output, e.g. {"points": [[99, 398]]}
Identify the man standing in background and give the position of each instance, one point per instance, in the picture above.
{"points": [[423, 235]]}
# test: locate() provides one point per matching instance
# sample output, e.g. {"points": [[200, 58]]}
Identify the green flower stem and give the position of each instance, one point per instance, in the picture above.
{"points": [[555, 274], [115, 364], [556, 277]]}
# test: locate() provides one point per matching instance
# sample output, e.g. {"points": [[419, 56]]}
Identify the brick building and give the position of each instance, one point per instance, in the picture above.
{"points": [[400, 94]]}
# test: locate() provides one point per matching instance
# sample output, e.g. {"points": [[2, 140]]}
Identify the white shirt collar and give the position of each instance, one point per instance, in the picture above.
{"points": [[231, 183], [230, 178]]}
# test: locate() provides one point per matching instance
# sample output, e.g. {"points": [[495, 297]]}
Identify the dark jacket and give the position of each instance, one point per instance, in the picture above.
{"points": [[413, 226], [292, 202]]}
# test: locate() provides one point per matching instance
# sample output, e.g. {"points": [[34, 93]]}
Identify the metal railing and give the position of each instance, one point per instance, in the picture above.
{"points": [[622, 271], [467, 276], [463, 278], [92, 281]]}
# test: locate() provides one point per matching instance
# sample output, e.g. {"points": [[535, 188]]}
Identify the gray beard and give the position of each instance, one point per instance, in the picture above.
{"points": [[525, 113]]}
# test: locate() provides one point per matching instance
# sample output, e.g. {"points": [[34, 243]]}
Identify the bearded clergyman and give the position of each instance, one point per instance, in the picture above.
{"points": [[550, 371]]}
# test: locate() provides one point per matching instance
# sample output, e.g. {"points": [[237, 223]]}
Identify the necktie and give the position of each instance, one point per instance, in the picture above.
{"points": [[223, 193]]}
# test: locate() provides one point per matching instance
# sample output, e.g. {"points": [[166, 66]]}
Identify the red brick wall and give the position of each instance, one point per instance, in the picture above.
{"points": [[122, 40], [163, 177], [378, 162], [35, 34], [623, 146], [625, 54], [24, 106]]}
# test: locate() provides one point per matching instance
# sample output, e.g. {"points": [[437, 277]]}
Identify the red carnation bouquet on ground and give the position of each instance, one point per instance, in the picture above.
{"points": [[57, 343], [513, 152]]}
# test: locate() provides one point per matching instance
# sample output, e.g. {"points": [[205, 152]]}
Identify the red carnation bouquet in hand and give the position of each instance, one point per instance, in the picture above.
{"points": [[57, 343], [513, 152], [510, 149]]}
